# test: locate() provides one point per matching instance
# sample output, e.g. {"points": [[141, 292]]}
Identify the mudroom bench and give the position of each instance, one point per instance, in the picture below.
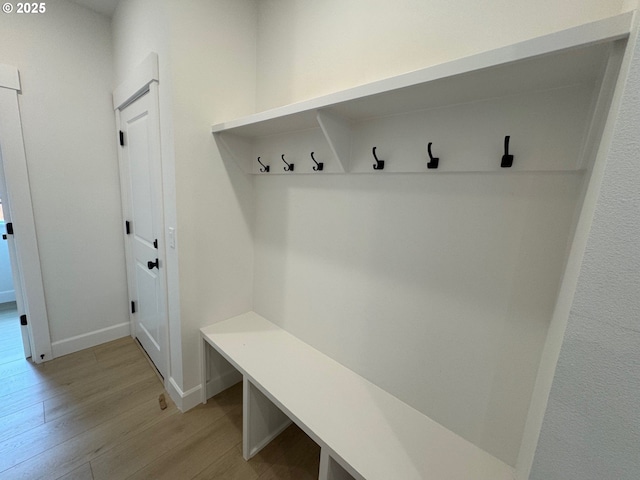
{"points": [[363, 431]]}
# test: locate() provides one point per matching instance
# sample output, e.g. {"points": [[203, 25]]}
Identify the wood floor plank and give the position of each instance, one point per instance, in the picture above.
{"points": [[68, 365], [197, 452], [83, 472], [65, 457], [37, 440], [102, 420], [28, 396], [58, 383], [231, 466], [292, 456], [22, 421], [15, 367], [138, 452], [118, 352], [25, 379], [93, 391]]}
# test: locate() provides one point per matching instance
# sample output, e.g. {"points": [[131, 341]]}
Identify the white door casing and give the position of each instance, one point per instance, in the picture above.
{"points": [[141, 183], [18, 193]]}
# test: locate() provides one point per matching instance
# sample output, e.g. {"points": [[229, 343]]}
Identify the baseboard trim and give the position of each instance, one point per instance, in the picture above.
{"points": [[88, 340], [184, 400], [8, 296]]}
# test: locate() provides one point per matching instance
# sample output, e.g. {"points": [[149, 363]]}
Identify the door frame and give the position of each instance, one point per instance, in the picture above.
{"points": [[27, 256], [143, 80]]}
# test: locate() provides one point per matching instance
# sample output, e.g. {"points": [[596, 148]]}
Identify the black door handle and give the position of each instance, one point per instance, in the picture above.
{"points": [[151, 264]]}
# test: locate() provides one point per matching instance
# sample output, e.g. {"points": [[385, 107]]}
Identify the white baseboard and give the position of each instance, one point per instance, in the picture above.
{"points": [[193, 397], [88, 340], [184, 400], [8, 296]]}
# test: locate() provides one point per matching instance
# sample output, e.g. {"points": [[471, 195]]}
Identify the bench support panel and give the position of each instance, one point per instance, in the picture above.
{"points": [[330, 469], [262, 421], [217, 373]]}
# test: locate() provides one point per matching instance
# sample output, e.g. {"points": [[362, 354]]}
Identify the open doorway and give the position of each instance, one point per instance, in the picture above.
{"points": [[11, 347], [15, 343]]}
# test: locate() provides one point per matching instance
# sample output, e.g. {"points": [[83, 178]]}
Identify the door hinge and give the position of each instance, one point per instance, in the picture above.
{"points": [[23, 320], [127, 227], [9, 227], [121, 138], [133, 307], [155, 244]]}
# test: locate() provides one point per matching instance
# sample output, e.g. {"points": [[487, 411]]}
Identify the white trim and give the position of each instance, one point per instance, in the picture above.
{"points": [[88, 340], [142, 80], [184, 400], [16, 176], [137, 82], [9, 77], [8, 296]]}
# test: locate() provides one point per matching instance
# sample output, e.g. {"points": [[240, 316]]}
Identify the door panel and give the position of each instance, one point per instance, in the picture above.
{"points": [[142, 168]]}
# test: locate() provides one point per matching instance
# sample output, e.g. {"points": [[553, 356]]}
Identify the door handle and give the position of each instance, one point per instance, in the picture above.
{"points": [[151, 264]]}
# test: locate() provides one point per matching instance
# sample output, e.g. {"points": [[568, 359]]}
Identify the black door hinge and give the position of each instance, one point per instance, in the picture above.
{"points": [[155, 243], [23, 320], [133, 307], [121, 138], [9, 227], [127, 227]]}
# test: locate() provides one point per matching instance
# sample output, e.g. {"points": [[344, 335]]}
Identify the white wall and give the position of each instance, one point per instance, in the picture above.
{"points": [[591, 428], [65, 63], [439, 289], [213, 61], [206, 55], [307, 49]]}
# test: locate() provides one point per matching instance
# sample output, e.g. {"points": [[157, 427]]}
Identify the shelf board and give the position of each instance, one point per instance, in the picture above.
{"points": [[575, 55]]}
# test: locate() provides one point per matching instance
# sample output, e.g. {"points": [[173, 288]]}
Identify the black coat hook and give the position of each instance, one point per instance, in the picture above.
{"points": [[507, 160], [379, 165], [289, 166], [319, 166], [433, 161], [265, 168]]}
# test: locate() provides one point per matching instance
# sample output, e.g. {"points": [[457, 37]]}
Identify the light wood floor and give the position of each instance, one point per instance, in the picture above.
{"points": [[10, 337], [95, 415]]}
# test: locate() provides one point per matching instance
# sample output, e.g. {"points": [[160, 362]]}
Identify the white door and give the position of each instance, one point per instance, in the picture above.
{"points": [[142, 178]]}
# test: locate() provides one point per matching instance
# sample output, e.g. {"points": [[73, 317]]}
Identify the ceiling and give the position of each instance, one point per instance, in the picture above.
{"points": [[105, 7]]}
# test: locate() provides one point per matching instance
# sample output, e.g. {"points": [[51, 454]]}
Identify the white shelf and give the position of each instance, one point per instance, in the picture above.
{"points": [[518, 90]]}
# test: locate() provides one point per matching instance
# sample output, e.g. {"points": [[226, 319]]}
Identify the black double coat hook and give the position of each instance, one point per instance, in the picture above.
{"points": [[433, 161], [265, 168], [289, 166], [319, 166]]}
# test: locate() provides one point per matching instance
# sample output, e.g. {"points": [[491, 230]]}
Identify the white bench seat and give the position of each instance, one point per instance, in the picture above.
{"points": [[363, 431]]}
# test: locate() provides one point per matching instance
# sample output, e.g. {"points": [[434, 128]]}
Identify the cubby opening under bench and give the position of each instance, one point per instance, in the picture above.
{"points": [[363, 431]]}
